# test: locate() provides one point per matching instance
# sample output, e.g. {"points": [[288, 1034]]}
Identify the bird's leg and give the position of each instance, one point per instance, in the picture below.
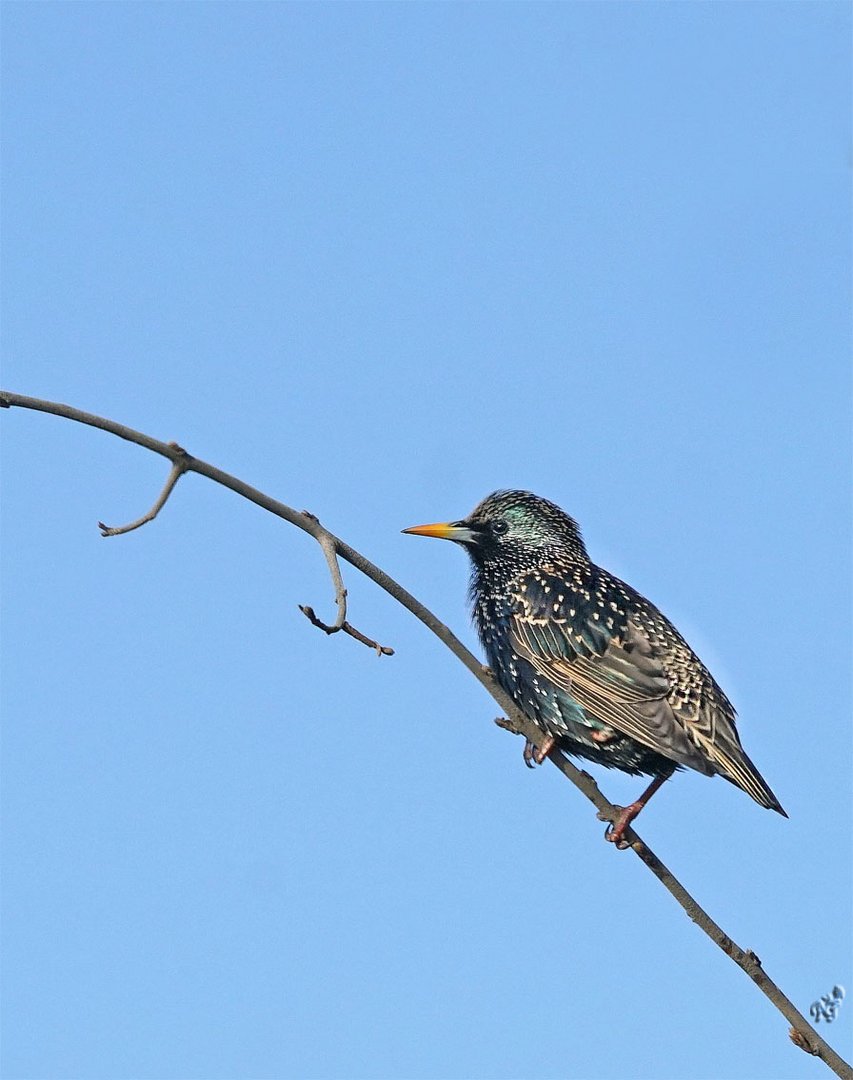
{"points": [[616, 830], [541, 752], [534, 755]]}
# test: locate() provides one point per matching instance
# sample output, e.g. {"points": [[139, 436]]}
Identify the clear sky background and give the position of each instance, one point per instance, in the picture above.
{"points": [[379, 260]]}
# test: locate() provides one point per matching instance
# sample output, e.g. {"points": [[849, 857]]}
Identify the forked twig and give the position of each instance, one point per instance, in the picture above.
{"points": [[327, 543]]}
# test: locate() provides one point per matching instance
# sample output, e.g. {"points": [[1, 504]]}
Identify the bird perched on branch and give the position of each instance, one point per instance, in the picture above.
{"points": [[588, 659]]}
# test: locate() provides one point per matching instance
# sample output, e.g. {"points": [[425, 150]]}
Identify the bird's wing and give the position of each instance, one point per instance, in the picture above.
{"points": [[598, 652]]}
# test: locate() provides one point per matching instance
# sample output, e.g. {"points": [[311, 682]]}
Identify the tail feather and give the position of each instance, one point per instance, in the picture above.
{"points": [[737, 768]]}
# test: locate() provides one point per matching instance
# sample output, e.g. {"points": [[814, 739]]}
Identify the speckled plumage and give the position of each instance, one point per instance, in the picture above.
{"points": [[586, 657]]}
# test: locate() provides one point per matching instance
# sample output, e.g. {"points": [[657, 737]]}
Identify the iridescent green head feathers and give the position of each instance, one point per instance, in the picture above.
{"points": [[507, 524]]}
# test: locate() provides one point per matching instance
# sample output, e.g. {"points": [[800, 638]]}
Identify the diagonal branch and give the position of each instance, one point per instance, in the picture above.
{"points": [[802, 1034]]}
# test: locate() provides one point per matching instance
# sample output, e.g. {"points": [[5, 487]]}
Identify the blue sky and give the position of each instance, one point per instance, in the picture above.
{"points": [[379, 260]]}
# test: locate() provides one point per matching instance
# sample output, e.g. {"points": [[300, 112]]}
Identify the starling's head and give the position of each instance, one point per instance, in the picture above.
{"points": [[513, 527]]}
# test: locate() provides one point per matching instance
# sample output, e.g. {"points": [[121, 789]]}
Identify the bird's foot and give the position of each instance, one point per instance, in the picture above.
{"points": [[534, 755], [615, 832]]}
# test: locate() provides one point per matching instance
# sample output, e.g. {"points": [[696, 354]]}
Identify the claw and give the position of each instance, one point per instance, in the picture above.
{"points": [[615, 831], [535, 755]]}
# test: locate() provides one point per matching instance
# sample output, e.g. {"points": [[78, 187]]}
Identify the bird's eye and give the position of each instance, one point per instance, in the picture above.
{"points": [[500, 527]]}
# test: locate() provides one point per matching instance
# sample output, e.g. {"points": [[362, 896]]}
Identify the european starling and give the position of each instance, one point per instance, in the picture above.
{"points": [[587, 658]]}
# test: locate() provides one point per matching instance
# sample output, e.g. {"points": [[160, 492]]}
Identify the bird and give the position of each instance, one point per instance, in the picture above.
{"points": [[594, 664]]}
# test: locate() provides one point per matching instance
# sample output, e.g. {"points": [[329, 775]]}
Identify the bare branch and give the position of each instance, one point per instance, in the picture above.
{"points": [[179, 457], [179, 467], [802, 1033]]}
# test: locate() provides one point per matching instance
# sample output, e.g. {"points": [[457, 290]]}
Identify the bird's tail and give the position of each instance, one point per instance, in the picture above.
{"points": [[732, 763]]}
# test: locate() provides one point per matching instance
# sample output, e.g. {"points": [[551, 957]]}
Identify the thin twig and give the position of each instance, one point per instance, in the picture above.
{"points": [[381, 650], [179, 467], [802, 1033], [327, 543]]}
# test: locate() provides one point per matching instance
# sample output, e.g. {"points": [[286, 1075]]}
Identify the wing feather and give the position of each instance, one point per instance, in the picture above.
{"points": [[600, 642], [628, 696]]}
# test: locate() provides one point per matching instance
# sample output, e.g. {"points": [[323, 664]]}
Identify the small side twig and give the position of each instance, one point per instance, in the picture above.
{"points": [[179, 467], [801, 1040], [327, 543], [381, 650]]}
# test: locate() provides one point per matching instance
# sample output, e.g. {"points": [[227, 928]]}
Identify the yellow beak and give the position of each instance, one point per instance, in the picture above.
{"points": [[444, 530]]}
